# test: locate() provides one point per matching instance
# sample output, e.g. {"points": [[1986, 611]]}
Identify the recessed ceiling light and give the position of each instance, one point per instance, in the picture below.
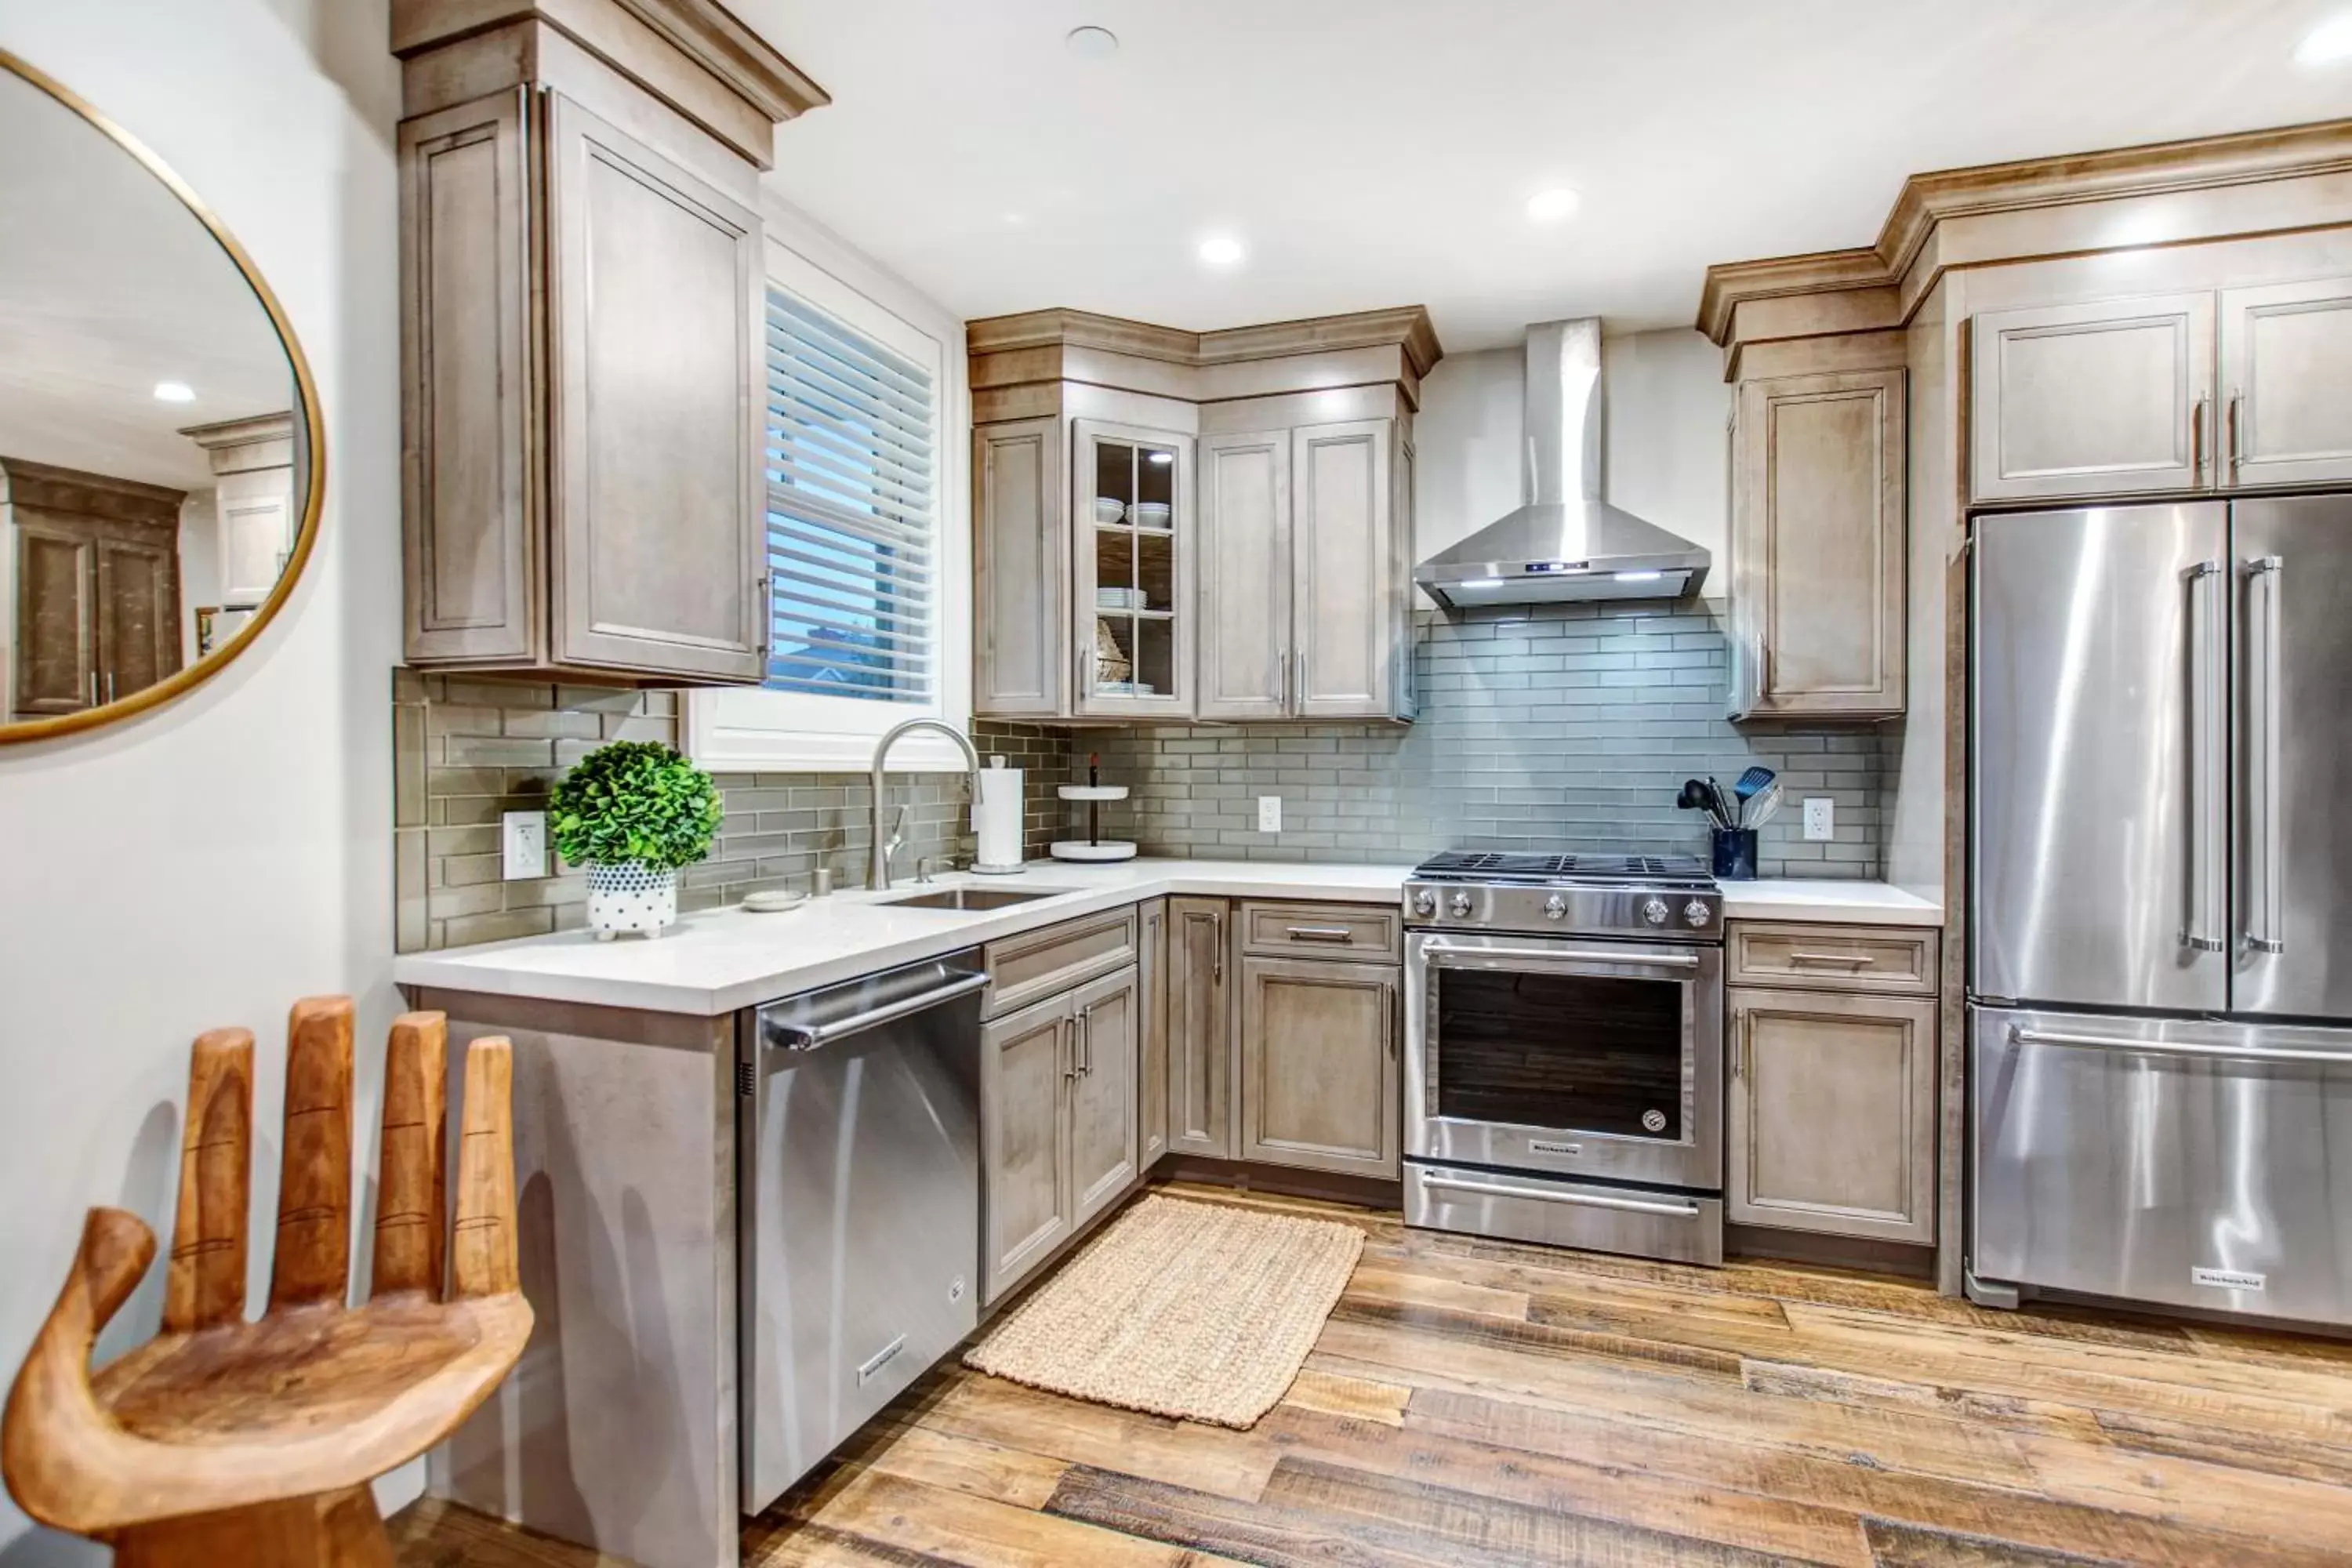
{"points": [[2328, 44], [1221, 250], [1554, 206], [1092, 43], [175, 392]]}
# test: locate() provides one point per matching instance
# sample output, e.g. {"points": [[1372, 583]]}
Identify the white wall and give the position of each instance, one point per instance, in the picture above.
{"points": [[1665, 404], [210, 863]]}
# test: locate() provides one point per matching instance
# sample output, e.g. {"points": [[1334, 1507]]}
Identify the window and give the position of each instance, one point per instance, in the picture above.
{"points": [[867, 558]]}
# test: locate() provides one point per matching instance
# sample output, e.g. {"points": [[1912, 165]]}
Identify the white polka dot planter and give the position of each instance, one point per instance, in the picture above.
{"points": [[630, 897]]}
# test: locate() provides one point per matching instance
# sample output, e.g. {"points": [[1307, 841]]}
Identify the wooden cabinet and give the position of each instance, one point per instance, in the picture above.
{"points": [[2286, 363], [1020, 543], [1818, 545], [1151, 1056], [1200, 1031], [1305, 599], [1319, 1066], [253, 503], [96, 585], [1832, 1113], [1058, 1122], [1132, 599], [583, 402]]}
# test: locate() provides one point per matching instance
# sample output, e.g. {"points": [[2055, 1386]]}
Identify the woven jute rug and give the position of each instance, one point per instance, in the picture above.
{"points": [[1180, 1309]]}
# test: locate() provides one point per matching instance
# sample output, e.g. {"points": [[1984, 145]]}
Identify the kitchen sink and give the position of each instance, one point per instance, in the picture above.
{"points": [[971, 898]]}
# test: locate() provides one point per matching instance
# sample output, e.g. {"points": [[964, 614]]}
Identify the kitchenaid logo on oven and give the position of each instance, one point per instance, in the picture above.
{"points": [[2227, 1278]]}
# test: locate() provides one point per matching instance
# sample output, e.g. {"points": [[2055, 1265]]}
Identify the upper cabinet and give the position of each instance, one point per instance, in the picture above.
{"points": [[2168, 392], [1168, 527], [582, 344], [1818, 546]]}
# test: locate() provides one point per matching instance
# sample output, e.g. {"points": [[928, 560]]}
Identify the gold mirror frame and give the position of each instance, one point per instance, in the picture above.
{"points": [[314, 442]]}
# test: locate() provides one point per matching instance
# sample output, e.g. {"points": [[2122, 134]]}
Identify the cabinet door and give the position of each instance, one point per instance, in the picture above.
{"points": [[1025, 1140], [1245, 592], [1319, 1064], [138, 605], [1344, 654], [1020, 571], [470, 542], [1199, 1032], [1108, 1020], [2109, 398], [1408, 677], [1132, 602], [256, 515], [1152, 1058], [2286, 361], [1820, 515], [57, 632], [656, 350], [1833, 1114]]}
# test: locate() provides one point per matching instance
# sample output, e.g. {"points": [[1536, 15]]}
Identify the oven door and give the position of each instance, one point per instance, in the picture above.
{"points": [[1581, 1057]]}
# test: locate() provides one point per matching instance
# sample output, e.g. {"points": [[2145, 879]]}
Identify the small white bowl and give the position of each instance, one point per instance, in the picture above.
{"points": [[1152, 513], [1110, 509]]}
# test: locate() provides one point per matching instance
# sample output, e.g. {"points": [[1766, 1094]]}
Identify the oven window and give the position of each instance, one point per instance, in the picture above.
{"points": [[1578, 1053]]}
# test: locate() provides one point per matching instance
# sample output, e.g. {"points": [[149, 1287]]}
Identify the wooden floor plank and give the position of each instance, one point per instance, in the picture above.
{"points": [[1473, 1402]]}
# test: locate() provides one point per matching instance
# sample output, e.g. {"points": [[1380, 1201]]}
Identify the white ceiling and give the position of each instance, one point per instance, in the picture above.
{"points": [[108, 286], [1377, 153]]}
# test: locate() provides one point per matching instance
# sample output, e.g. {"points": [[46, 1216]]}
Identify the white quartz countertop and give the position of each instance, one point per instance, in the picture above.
{"points": [[719, 961], [1829, 901]]}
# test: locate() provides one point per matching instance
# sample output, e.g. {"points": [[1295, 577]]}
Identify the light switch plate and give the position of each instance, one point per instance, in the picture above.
{"points": [[525, 844], [1821, 817], [1269, 814]]}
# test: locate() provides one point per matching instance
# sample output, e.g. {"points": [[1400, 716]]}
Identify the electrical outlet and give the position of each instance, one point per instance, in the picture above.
{"points": [[1821, 817], [1269, 814], [525, 844]]}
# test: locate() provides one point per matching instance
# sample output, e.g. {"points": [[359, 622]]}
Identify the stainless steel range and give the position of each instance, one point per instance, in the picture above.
{"points": [[1564, 1060]]}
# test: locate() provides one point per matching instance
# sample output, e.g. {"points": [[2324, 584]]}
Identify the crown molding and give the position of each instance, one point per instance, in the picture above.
{"points": [[718, 41], [1406, 328], [1927, 201]]}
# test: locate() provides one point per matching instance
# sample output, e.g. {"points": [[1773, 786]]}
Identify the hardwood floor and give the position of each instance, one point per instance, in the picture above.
{"points": [[1479, 1403]]}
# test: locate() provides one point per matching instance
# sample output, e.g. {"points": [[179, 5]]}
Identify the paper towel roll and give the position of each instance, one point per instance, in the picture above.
{"points": [[997, 817]]}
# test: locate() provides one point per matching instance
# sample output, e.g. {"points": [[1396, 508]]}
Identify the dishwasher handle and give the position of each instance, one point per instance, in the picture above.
{"points": [[811, 1036]]}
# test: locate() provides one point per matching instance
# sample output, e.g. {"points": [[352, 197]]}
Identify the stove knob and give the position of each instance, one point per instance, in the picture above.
{"points": [[1555, 907], [1694, 912], [1656, 912], [1424, 903], [1460, 906]]}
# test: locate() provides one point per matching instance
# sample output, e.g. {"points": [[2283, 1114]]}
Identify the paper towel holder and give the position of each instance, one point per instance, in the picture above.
{"points": [[996, 765]]}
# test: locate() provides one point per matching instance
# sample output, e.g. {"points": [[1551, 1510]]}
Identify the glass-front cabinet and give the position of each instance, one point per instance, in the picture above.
{"points": [[1131, 603]]}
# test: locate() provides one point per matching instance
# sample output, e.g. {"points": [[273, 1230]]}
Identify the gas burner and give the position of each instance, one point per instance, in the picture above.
{"points": [[1660, 898], [1501, 866]]}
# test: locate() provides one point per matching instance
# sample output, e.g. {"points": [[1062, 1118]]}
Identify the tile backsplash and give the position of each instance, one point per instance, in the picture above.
{"points": [[1555, 726], [466, 750]]}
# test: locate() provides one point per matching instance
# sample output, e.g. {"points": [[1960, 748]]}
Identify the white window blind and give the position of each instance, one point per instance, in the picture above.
{"points": [[853, 556]]}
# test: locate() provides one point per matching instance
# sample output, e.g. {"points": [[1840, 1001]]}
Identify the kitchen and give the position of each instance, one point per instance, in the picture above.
{"points": [[1568, 841]]}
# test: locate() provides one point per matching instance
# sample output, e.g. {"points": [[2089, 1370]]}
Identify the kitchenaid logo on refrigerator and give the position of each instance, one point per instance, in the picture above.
{"points": [[2227, 1278]]}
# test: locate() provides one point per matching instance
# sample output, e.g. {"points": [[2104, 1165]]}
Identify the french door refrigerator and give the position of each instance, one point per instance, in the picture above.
{"points": [[2160, 943]]}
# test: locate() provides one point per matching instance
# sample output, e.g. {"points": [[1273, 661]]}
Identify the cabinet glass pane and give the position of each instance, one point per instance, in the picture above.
{"points": [[1155, 656], [1115, 464], [1155, 488]]}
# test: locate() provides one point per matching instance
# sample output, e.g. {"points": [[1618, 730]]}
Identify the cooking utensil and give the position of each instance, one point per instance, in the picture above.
{"points": [[1751, 784], [1695, 798], [1763, 807], [1725, 813]]}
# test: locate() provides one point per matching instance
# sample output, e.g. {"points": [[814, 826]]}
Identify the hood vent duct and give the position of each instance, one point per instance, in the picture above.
{"points": [[1566, 542]]}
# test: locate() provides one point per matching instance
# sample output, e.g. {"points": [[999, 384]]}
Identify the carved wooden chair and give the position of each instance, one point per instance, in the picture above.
{"points": [[227, 1441]]}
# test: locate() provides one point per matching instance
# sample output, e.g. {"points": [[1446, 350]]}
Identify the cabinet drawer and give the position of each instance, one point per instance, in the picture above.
{"points": [[1372, 932], [1040, 963], [1895, 960]]}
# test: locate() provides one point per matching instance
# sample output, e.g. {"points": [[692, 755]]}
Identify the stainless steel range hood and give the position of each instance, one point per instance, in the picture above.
{"points": [[1567, 542]]}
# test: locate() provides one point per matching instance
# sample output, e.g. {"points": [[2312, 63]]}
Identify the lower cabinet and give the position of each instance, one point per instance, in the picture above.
{"points": [[1319, 1066], [1832, 1113], [1057, 1114], [1200, 1029]]}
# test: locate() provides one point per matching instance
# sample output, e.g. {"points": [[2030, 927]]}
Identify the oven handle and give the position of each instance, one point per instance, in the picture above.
{"points": [[1575, 1200], [1546, 955]]}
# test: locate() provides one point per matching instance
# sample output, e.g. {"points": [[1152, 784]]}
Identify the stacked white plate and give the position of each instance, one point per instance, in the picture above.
{"points": [[1120, 599], [1151, 513]]}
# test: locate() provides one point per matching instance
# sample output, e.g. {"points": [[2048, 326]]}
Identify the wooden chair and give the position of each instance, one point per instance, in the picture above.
{"points": [[227, 1441]]}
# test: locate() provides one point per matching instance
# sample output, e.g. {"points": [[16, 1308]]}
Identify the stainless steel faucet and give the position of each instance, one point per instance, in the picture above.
{"points": [[878, 878]]}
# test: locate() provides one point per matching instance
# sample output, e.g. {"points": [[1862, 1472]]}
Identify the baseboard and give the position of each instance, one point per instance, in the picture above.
{"points": [[1283, 1181], [1861, 1254]]}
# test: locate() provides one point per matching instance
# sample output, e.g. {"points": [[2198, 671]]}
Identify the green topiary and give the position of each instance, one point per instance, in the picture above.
{"points": [[634, 800]]}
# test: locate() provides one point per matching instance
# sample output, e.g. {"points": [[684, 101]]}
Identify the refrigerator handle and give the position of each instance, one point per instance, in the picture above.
{"points": [[2208, 914], [2266, 905]]}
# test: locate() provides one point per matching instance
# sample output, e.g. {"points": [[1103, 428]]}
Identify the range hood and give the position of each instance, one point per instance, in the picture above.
{"points": [[1566, 542]]}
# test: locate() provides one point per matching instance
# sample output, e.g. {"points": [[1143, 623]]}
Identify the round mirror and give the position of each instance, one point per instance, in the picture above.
{"points": [[159, 466]]}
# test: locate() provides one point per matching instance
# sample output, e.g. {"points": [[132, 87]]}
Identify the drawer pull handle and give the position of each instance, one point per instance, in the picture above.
{"points": [[1320, 933], [1847, 960], [1574, 1200]]}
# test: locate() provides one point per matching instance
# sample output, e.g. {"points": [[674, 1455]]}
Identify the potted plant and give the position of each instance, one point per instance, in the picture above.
{"points": [[632, 813]]}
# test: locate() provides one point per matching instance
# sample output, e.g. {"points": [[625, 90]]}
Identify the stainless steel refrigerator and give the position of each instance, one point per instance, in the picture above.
{"points": [[2160, 942]]}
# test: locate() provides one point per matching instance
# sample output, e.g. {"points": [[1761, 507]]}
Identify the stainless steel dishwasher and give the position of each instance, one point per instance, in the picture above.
{"points": [[859, 1204]]}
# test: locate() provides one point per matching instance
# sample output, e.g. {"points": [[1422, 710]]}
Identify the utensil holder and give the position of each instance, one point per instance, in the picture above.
{"points": [[1734, 853]]}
